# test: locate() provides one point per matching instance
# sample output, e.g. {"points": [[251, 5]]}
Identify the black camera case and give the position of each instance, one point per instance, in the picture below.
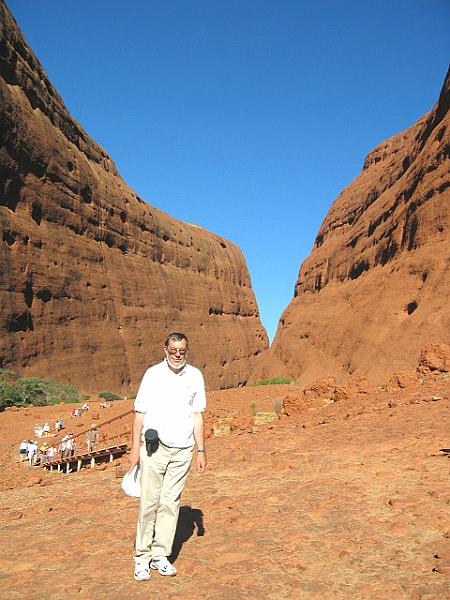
{"points": [[151, 441]]}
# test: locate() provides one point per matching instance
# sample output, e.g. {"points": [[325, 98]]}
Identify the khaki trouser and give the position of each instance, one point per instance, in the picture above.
{"points": [[163, 475]]}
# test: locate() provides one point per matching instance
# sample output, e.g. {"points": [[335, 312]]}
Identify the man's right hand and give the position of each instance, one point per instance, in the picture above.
{"points": [[133, 458]]}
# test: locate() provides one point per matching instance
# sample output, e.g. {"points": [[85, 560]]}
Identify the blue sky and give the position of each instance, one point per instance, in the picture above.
{"points": [[245, 117]]}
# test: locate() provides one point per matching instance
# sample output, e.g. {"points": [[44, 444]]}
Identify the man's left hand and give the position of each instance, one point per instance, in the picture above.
{"points": [[201, 462]]}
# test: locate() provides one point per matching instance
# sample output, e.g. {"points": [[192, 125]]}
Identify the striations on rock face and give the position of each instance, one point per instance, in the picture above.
{"points": [[376, 287], [92, 278]]}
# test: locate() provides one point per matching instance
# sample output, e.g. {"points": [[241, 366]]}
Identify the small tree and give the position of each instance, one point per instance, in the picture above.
{"points": [[109, 396], [34, 390], [6, 376], [10, 395], [41, 392]]}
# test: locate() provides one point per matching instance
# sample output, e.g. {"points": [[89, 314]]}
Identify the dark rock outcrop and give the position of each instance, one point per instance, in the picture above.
{"points": [[92, 277], [376, 286]]}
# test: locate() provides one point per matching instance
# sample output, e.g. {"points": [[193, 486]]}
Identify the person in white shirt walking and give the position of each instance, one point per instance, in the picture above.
{"points": [[32, 452], [169, 406], [23, 450]]}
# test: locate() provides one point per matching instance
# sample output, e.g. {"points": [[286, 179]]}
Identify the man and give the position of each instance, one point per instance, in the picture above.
{"points": [[67, 445], [63, 446], [23, 450], [170, 400], [91, 438], [31, 452], [51, 451], [43, 454]]}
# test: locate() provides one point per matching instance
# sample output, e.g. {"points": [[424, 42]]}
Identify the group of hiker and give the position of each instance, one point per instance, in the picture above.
{"points": [[78, 412], [41, 431], [43, 454]]}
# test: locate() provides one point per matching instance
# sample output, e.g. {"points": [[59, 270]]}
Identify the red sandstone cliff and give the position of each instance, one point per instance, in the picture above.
{"points": [[376, 287], [92, 278]]}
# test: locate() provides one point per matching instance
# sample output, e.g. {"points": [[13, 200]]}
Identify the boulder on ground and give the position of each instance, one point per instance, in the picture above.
{"points": [[434, 357], [401, 380]]}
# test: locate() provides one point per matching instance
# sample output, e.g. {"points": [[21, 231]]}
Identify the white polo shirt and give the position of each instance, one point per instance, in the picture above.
{"points": [[169, 401]]}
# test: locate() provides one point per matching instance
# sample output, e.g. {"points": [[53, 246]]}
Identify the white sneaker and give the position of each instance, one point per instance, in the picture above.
{"points": [[163, 566], [141, 572]]}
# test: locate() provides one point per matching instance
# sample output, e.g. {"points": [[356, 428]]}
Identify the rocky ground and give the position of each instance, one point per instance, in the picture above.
{"points": [[345, 497]]}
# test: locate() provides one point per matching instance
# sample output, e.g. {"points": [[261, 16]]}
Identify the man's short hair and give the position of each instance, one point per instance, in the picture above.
{"points": [[175, 337]]}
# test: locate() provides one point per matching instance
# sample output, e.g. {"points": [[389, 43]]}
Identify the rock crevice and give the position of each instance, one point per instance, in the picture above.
{"points": [[93, 278], [375, 287]]}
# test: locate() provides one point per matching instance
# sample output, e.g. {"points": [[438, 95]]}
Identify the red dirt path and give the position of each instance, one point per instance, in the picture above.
{"points": [[345, 500]]}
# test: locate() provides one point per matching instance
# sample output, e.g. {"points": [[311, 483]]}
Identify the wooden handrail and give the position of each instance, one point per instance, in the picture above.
{"points": [[92, 448]]}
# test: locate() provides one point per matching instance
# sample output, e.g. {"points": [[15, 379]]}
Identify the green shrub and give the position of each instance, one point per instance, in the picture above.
{"points": [[109, 396], [73, 400], [68, 400], [33, 390], [41, 392], [10, 395], [275, 381], [39, 400], [6, 376]]}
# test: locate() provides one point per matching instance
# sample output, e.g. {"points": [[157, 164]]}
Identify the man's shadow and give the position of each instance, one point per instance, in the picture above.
{"points": [[188, 520]]}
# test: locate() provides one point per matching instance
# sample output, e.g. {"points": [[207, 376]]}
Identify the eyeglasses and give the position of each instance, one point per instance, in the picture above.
{"points": [[174, 351]]}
